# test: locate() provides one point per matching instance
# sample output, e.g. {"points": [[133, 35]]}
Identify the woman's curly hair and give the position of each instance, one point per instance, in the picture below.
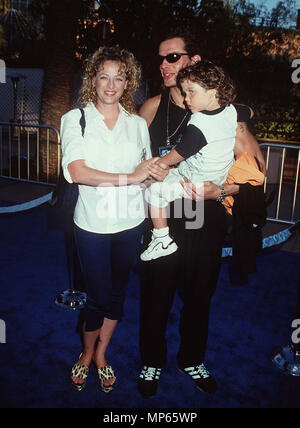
{"points": [[128, 66], [210, 76]]}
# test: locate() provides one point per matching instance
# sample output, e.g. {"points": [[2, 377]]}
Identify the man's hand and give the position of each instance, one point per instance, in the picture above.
{"points": [[209, 190]]}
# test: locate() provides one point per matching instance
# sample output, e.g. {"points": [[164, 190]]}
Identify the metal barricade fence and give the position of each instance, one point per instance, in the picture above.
{"points": [[283, 163], [30, 153]]}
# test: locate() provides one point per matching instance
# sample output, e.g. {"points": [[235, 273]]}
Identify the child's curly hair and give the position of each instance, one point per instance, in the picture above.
{"points": [[210, 76], [128, 66]]}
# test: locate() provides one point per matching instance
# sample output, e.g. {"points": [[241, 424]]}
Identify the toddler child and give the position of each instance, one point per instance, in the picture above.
{"points": [[206, 152]]}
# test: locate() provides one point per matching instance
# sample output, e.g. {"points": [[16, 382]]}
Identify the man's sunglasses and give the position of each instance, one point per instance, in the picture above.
{"points": [[171, 57]]}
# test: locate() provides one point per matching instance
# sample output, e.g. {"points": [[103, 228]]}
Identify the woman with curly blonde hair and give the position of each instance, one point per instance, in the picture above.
{"points": [[104, 146], [128, 66]]}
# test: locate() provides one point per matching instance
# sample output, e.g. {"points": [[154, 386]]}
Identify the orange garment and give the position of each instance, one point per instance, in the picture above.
{"points": [[244, 170]]}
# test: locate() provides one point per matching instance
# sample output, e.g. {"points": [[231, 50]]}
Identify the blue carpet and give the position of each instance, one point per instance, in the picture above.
{"points": [[247, 324], [6, 204]]}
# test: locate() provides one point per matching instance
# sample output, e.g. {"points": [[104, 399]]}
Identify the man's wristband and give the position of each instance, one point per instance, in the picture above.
{"points": [[222, 197]]}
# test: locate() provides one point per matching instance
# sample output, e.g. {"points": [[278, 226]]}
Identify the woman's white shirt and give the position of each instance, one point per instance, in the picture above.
{"points": [[107, 209]]}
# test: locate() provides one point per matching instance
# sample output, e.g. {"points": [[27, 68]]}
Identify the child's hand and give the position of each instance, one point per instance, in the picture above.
{"points": [[159, 162], [153, 161], [158, 169]]}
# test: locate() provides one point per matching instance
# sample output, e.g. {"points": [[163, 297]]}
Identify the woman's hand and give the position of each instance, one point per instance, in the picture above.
{"points": [[158, 169], [209, 190], [141, 173]]}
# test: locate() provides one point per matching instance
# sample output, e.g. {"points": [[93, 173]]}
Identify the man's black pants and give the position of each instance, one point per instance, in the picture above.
{"points": [[193, 270]]}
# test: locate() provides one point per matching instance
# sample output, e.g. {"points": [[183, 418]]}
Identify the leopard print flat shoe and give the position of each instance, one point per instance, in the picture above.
{"points": [[106, 373], [81, 372]]}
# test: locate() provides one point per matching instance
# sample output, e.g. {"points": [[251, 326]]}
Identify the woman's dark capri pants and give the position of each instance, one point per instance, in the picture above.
{"points": [[106, 261]]}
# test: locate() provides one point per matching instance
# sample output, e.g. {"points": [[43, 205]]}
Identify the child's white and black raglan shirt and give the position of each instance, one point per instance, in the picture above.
{"points": [[208, 143]]}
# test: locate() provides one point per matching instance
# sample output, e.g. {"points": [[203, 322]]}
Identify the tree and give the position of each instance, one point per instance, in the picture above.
{"points": [[4, 6], [19, 33], [139, 26], [3, 42], [217, 22], [283, 14], [60, 28]]}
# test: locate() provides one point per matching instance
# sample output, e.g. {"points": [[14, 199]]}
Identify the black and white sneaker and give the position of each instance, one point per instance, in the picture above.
{"points": [[202, 378], [148, 381], [159, 246]]}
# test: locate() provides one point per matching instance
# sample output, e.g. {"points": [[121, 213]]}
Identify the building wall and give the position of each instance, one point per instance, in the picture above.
{"points": [[28, 95]]}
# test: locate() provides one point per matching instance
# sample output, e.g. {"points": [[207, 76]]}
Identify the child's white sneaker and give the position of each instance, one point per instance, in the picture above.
{"points": [[159, 246]]}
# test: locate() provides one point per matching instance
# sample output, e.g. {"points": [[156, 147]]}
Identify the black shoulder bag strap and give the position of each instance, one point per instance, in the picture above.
{"points": [[82, 121], [65, 194]]}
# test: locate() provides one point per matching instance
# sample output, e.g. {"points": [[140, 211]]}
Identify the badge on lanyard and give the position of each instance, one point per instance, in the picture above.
{"points": [[164, 150]]}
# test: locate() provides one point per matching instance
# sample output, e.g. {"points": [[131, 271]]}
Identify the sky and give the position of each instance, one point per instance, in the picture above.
{"points": [[272, 3], [269, 4]]}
